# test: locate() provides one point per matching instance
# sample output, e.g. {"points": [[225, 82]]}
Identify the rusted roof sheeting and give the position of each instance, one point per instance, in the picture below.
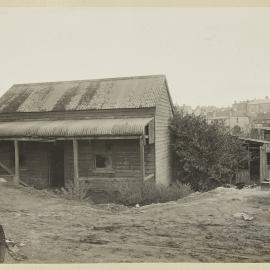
{"points": [[74, 128], [128, 92]]}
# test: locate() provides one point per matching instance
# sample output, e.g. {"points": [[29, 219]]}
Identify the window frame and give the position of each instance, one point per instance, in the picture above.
{"points": [[106, 150], [106, 157]]}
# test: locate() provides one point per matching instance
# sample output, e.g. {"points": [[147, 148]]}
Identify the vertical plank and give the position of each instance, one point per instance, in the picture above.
{"points": [[142, 158], [2, 245], [249, 157], [75, 162], [264, 163], [17, 163], [261, 163]]}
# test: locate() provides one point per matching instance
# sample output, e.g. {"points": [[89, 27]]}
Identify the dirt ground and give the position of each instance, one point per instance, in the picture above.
{"points": [[204, 227]]}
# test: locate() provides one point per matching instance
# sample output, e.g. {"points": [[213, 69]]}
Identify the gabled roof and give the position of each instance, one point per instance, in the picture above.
{"points": [[114, 93]]}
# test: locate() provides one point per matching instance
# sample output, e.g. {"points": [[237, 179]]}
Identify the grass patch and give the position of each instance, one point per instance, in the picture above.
{"points": [[151, 192]]}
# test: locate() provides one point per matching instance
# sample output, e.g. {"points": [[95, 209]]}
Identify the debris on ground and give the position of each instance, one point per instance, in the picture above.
{"points": [[229, 186], [64, 190], [94, 239], [251, 186], [3, 180], [240, 185], [14, 251], [244, 216]]}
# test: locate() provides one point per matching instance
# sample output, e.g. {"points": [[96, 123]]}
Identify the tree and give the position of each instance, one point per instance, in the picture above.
{"points": [[205, 155]]}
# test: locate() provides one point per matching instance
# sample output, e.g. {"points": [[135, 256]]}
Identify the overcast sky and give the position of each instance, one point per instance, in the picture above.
{"points": [[210, 56]]}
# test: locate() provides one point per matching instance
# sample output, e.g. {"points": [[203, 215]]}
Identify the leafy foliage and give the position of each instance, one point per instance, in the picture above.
{"points": [[206, 155]]}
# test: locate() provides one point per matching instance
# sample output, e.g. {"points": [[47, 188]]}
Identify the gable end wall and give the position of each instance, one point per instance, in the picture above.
{"points": [[162, 139]]}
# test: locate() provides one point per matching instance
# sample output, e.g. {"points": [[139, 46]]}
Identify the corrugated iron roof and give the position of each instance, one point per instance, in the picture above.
{"points": [[254, 140], [73, 128], [128, 92]]}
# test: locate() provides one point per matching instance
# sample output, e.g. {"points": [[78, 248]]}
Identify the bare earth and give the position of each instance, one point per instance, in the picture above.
{"points": [[199, 228]]}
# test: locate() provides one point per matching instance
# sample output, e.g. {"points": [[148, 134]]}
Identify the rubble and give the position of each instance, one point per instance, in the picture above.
{"points": [[3, 180], [244, 216], [14, 251]]}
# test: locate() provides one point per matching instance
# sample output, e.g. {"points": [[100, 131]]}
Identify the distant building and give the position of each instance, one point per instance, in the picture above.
{"points": [[240, 108], [223, 112], [259, 106], [262, 120], [252, 107], [234, 123]]}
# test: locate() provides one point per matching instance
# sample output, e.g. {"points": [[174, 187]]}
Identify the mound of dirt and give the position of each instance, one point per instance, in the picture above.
{"points": [[202, 227]]}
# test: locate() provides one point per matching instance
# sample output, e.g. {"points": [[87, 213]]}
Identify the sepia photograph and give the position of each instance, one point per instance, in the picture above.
{"points": [[134, 134]]}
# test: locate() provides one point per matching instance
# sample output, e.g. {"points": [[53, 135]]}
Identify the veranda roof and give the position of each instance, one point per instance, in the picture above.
{"points": [[74, 128]]}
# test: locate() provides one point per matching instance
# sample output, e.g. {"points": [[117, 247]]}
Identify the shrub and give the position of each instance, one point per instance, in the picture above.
{"points": [[151, 192], [205, 155]]}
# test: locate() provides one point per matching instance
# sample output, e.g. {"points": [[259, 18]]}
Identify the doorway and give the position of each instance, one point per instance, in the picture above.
{"points": [[255, 164], [57, 176]]}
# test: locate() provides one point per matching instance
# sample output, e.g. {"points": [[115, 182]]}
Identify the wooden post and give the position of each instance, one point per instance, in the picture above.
{"points": [[75, 162], [2, 245], [249, 157], [17, 163], [263, 164], [142, 158]]}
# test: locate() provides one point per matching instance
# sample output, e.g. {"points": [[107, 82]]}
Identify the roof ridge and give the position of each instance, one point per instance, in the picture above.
{"points": [[93, 80]]}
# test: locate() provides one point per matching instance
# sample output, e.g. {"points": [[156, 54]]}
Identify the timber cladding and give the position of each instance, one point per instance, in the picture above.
{"points": [[125, 167], [6, 157], [34, 169], [162, 139]]}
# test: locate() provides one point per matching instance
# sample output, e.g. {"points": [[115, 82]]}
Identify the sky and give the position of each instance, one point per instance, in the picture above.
{"points": [[210, 56]]}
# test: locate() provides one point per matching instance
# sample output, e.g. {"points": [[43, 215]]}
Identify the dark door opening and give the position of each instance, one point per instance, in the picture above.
{"points": [[57, 178], [255, 164]]}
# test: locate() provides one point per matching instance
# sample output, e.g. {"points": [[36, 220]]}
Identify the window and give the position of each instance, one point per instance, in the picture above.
{"points": [[103, 162], [102, 159]]}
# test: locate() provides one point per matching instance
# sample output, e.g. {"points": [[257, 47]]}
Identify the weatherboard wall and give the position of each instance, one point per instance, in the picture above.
{"points": [[162, 139], [6, 154], [35, 168], [125, 164]]}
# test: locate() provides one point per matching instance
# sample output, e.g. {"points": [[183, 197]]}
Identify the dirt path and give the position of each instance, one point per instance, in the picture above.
{"points": [[198, 228]]}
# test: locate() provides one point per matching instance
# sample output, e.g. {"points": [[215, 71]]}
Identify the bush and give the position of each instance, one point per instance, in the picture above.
{"points": [[151, 192], [205, 155]]}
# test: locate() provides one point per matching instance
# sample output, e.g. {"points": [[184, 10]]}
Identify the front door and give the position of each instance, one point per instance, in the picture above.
{"points": [[57, 165]]}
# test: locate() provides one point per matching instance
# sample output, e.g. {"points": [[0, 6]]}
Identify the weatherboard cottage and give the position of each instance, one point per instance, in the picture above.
{"points": [[95, 134]]}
